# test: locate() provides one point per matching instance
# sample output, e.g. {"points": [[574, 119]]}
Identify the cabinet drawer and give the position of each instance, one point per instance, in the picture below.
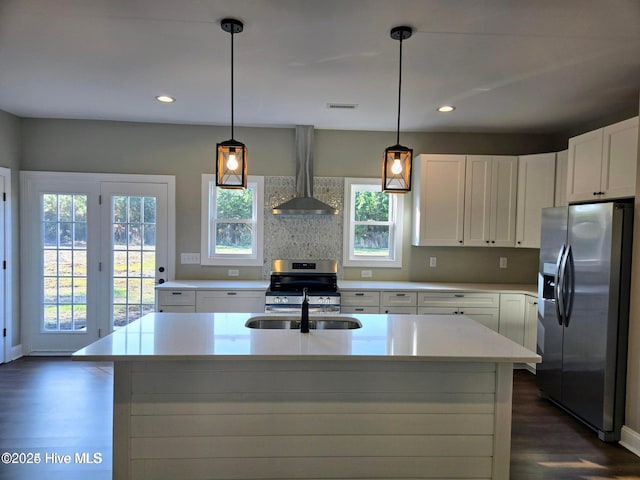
{"points": [[230, 301], [399, 299], [458, 299], [361, 299], [176, 297], [400, 310], [354, 309], [230, 294]]}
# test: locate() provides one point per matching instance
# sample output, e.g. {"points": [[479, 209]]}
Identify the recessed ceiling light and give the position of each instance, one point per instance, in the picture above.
{"points": [[165, 99], [446, 108]]}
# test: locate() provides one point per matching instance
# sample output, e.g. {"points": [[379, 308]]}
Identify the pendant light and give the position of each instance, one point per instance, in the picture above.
{"points": [[231, 157], [396, 164]]}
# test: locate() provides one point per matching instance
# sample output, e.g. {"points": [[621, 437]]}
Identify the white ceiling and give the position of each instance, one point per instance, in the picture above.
{"points": [[507, 65]]}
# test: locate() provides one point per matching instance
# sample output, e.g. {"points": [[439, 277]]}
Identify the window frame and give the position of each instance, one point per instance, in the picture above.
{"points": [[208, 219], [350, 259]]}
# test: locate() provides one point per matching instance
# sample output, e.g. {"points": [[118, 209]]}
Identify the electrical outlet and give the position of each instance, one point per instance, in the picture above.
{"points": [[233, 272], [503, 262], [433, 262], [366, 273], [189, 258]]}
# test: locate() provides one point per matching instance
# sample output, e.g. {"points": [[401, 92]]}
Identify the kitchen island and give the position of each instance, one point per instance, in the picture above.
{"points": [[405, 396]]}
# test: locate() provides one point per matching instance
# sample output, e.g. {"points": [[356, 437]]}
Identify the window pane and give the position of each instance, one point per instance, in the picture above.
{"points": [[234, 204], [135, 206], [372, 206], [371, 240], [50, 207], [233, 239], [149, 213]]}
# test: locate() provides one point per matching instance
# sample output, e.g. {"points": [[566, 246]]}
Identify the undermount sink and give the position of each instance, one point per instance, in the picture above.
{"points": [[293, 323]]}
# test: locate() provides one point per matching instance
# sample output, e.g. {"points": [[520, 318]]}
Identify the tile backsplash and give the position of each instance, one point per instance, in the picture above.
{"points": [[303, 236]]}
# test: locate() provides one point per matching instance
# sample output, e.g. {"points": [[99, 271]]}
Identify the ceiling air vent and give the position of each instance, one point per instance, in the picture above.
{"points": [[342, 106]]}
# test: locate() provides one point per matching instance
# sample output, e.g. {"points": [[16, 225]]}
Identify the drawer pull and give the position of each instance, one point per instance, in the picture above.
{"points": [[400, 294], [459, 295], [232, 293], [359, 309], [176, 293], [359, 294]]}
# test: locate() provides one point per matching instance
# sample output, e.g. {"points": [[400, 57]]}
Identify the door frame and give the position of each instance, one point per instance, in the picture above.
{"points": [[33, 179], [7, 315]]}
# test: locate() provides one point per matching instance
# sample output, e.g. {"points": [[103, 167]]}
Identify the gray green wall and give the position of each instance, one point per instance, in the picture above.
{"points": [[10, 158], [186, 151]]}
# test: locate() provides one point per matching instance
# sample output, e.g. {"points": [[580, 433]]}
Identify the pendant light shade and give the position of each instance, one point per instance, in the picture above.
{"points": [[231, 156], [396, 163]]}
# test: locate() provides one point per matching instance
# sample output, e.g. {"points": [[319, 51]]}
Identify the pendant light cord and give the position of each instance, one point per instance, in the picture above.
{"points": [[232, 85], [399, 92]]}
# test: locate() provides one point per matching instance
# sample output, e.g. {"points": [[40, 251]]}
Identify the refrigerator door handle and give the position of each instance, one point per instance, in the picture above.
{"points": [[569, 286], [557, 288]]}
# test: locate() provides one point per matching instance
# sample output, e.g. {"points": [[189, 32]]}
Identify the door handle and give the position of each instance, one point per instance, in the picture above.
{"points": [[569, 286], [558, 278]]}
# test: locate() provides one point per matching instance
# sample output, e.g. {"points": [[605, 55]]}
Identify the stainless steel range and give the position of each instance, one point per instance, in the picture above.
{"points": [[289, 278]]}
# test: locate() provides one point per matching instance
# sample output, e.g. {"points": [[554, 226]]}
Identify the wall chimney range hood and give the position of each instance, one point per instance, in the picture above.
{"points": [[304, 203]]}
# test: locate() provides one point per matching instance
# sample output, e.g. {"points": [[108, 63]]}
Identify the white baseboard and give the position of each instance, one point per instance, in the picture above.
{"points": [[630, 440], [16, 352]]}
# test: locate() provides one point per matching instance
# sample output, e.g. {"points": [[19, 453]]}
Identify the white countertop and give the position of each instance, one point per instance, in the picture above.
{"points": [[346, 285], [202, 336], [526, 288]]}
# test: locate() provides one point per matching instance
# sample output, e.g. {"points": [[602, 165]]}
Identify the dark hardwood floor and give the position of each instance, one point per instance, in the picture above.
{"points": [[56, 406]]}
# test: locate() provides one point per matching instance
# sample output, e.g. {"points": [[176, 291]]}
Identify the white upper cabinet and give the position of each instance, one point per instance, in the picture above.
{"points": [[561, 178], [602, 163], [536, 188], [438, 200], [490, 200]]}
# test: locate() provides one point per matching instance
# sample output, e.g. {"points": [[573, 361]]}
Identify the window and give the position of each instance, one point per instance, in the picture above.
{"points": [[232, 223], [372, 225]]}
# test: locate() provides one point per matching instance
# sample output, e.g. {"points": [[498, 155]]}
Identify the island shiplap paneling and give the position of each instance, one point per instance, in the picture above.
{"points": [[369, 468], [311, 419]]}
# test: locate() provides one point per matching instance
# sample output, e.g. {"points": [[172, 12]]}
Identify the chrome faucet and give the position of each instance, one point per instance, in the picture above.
{"points": [[304, 317]]}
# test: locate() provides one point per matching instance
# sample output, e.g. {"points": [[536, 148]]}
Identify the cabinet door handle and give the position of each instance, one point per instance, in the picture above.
{"points": [[458, 295], [176, 293], [487, 241], [460, 241], [232, 293]]}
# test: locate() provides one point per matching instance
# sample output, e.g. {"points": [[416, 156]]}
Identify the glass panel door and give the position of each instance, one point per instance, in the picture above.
{"points": [[137, 226], [64, 260]]}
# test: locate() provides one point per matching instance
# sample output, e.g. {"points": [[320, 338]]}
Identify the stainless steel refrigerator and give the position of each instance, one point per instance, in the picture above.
{"points": [[583, 311]]}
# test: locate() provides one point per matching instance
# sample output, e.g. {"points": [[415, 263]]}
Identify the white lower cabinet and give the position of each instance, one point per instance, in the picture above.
{"points": [[489, 317], [365, 301], [512, 320], [205, 301], [251, 301], [482, 307], [179, 301], [399, 303], [531, 325]]}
